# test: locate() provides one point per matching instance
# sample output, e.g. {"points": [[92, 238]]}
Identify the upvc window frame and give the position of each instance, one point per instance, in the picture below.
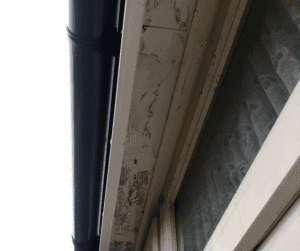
{"points": [[152, 243], [259, 201]]}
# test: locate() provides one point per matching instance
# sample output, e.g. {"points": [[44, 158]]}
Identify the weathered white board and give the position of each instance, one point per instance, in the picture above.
{"points": [[172, 14], [158, 64]]}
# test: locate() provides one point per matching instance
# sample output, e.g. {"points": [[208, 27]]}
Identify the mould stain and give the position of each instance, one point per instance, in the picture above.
{"points": [[122, 218], [147, 133], [121, 245], [116, 245], [128, 246], [136, 194], [123, 177]]}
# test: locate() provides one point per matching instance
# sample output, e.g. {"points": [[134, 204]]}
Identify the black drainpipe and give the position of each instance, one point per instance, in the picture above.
{"points": [[95, 35]]}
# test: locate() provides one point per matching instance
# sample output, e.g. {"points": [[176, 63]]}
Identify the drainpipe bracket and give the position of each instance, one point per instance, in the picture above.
{"points": [[109, 42], [91, 245]]}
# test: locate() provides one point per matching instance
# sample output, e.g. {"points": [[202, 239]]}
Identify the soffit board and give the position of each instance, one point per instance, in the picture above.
{"points": [[174, 48]]}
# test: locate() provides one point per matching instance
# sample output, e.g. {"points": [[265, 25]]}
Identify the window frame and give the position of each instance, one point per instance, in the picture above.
{"points": [[241, 228], [152, 242]]}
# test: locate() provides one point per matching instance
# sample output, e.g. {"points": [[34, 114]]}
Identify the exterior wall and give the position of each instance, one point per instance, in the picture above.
{"points": [[261, 77]]}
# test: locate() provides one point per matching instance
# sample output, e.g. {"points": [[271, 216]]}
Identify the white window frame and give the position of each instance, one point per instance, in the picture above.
{"points": [[152, 243], [270, 186]]}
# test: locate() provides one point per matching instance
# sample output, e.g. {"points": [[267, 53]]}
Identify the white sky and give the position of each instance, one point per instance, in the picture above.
{"points": [[35, 130]]}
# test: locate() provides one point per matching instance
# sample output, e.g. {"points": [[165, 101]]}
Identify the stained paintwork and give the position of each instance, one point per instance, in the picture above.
{"points": [[172, 14], [158, 64], [203, 42]]}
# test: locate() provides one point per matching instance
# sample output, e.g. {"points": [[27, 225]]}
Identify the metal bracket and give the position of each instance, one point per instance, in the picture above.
{"points": [[90, 245], [109, 42]]}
